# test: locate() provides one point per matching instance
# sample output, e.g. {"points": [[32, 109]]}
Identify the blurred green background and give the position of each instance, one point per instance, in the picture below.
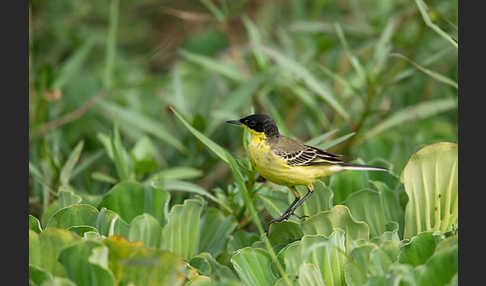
{"points": [[371, 72]]}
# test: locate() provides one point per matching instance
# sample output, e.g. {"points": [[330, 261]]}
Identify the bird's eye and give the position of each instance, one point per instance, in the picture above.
{"points": [[251, 123]]}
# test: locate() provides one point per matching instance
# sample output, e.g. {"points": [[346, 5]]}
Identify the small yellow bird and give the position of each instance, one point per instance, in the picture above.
{"points": [[286, 162]]}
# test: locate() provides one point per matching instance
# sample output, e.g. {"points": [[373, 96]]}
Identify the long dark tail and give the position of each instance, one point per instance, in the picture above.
{"points": [[348, 166]]}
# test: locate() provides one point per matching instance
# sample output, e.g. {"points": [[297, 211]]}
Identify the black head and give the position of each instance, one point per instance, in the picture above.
{"points": [[259, 123]]}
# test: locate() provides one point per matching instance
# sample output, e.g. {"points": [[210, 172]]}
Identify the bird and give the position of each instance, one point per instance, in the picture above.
{"points": [[288, 162]]}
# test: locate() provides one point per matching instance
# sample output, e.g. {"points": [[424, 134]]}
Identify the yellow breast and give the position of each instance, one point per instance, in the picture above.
{"points": [[275, 169]]}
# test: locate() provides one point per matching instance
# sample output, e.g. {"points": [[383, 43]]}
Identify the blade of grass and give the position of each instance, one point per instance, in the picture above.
{"points": [[226, 157], [68, 167], [103, 178], [352, 58], [111, 44], [336, 141], [182, 186], [73, 64], [320, 138], [86, 162], [229, 71], [303, 74], [419, 111], [255, 39], [142, 122], [423, 11], [214, 10], [120, 156], [433, 74]]}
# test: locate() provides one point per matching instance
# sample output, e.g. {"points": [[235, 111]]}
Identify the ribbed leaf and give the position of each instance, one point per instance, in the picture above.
{"points": [[86, 263], [375, 208], [181, 234], [309, 275], [46, 246], [134, 264], [68, 167], [75, 215], [207, 265], [253, 266], [430, 180], [34, 224], [240, 239], [215, 231], [109, 223], [130, 199], [339, 217], [146, 229]]}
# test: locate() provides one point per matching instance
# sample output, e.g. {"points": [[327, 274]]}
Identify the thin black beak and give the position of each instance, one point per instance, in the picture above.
{"points": [[236, 122]]}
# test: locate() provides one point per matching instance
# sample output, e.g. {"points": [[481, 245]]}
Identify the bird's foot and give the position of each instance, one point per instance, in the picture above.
{"points": [[300, 216]]}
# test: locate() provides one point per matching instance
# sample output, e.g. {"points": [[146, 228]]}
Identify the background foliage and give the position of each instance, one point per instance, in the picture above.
{"points": [[134, 177]]}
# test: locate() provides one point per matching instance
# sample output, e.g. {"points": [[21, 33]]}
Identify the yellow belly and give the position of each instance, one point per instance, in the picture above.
{"points": [[274, 168]]}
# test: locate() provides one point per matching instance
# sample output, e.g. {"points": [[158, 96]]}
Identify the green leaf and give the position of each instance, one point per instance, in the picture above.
{"points": [[109, 223], [309, 275], [68, 167], [229, 71], [218, 150], [215, 231], [207, 265], [240, 239], [418, 249], [417, 112], [177, 173], [143, 155], [181, 234], [130, 199], [46, 246], [133, 118], [59, 281], [440, 269], [82, 229], [327, 254], [253, 266], [111, 44], [133, 263], [301, 73], [435, 75], [430, 180], [276, 201], [182, 186], [68, 198], [75, 215], [321, 200], [375, 208], [423, 11], [282, 233], [146, 229], [34, 224], [86, 263], [334, 142], [339, 217], [37, 275], [123, 162], [73, 64]]}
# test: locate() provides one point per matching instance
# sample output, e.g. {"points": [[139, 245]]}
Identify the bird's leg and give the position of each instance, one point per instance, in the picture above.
{"points": [[309, 193], [286, 214]]}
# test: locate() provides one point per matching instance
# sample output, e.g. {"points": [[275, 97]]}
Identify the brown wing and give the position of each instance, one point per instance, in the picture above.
{"points": [[298, 154]]}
